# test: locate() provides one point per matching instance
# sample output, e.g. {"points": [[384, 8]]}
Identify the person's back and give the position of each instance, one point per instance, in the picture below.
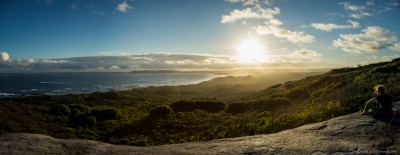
{"points": [[385, 101]]}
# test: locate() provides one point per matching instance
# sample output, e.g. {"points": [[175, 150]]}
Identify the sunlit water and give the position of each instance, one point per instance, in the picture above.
{"points": [[25, 84]]}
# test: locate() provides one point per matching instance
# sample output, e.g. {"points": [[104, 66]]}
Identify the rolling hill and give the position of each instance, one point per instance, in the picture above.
{"points": [[205, 111]]}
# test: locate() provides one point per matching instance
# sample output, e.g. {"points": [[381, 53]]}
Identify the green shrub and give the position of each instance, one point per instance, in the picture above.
{"points": [[90, 121], [269, 104], [60, 110], [75, 114], [161, 111], [211, 106], [105, 114], [298, 94], [83, 109], [239, 107]]}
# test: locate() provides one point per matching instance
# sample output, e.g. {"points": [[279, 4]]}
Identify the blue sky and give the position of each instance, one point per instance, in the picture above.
{"points": [[270, 33]]}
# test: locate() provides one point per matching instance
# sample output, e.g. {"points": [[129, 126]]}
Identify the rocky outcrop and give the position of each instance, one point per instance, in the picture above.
{"points": [[348, 134]]}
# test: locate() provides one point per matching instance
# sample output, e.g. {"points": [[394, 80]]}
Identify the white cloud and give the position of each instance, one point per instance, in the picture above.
{"points": [[117, 63], [181, 62], [348, 6], [270, 25], [378, 34], [303, 57], [250, 2], [4, 56], [292, 36], [396, 47], [275, 22], [372, 39], [303, 52], [375, 59], [123, 7], [334, 14], [236, 15], [359, 15], [50, 61], [329, 27], [370, 3], [245, 2], [249, 13], [358, 11], [113, 53], [354, 24]]}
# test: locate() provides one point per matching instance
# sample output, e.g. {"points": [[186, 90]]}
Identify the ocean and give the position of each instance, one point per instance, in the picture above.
{"points": [[28, 84]]}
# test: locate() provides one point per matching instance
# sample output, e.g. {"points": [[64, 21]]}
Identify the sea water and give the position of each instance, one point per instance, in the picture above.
{"points": [[27, 84]]}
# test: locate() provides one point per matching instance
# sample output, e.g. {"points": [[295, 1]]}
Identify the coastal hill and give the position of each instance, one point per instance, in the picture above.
{"points": [[225, 107], [349, 134]]}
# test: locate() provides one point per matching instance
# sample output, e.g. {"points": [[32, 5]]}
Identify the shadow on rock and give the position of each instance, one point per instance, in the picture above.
{"points": [[390, 120]]}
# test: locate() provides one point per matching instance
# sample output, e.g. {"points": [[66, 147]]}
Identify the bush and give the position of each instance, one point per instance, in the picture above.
{"points": [[211, 106], [90, 121], [269, 104], [60, 110], [105, 114], [161, 111], [239, 107], [75, 114], [298, 94], [83, 109]]}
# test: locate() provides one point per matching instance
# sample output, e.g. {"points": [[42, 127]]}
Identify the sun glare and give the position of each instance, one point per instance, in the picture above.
{"points": [[251, 51]]}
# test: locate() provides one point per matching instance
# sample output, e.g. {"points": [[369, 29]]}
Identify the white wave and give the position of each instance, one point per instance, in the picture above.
{"points": [[6, 94]]}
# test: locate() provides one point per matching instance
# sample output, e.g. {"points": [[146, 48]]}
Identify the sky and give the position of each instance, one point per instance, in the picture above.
{"points": [[124, 35]]}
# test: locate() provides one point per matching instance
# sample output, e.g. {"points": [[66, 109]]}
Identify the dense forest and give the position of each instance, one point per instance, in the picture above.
{"points": [[208, 110]]}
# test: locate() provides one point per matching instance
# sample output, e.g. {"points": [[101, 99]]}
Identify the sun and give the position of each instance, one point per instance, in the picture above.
{"points": [[251, 51]]}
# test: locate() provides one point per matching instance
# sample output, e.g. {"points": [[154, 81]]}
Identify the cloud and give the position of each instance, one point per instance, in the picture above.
{"points": [[334, 14], [348, 6], [270, 26], [250, 2], [236, 15], [329, 27], [370, 3], [393, 5], [123, 7], [358, 11], [359, 15], [396, 47], [375, 59], [4, 56], [249, 13], [303, 52], [245, 2], [303, 57], [277, 31], [372, 39], [118, 63]]}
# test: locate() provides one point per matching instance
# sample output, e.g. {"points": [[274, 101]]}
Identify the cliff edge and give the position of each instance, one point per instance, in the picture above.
{"points": [[347, 134]]}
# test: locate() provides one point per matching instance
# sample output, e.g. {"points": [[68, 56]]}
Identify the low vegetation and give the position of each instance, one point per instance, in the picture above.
{"points": [[210, 110]]}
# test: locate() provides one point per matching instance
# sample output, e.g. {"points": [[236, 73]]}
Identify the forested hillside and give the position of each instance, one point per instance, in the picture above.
{"points": [[161, 115]]}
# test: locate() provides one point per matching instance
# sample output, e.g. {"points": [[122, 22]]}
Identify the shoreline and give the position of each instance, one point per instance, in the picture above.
{"points": [[127, 87], [99, 89]]}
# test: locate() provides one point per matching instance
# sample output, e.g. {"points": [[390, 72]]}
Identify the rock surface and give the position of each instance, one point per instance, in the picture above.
{"points": [[349, 134]]}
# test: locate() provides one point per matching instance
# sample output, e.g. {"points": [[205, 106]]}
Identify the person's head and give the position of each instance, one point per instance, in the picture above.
{"points": [[379, 89]]}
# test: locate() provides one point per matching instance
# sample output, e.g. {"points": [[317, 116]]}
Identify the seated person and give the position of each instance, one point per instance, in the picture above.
{"points": [[381, 105]]}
